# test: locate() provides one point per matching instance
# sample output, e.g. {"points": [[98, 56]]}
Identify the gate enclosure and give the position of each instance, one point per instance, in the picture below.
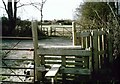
{"points": [[90, 53], [88, 57]]}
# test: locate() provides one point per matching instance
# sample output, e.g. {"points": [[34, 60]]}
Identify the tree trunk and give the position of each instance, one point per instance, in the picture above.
{"points": [[11, 17], [15, 16]]}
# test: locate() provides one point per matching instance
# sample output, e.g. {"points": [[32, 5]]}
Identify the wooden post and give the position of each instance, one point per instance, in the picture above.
{"points": [[63, 31], [51, 31], [47, 32], [110, 47], [52, 80], [35, 42], [90, 61], [55, 31], [100, 49], [95, 50], [63, 58], [63, 61], [86, 40], [82, 42], [74, 33]]}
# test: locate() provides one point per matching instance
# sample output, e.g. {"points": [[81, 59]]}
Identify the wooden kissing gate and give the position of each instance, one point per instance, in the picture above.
{"points": [[91, 52], [84, 61]]}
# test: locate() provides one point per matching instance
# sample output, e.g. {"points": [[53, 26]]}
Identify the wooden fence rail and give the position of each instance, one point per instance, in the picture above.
{"points": [[71, 59]]}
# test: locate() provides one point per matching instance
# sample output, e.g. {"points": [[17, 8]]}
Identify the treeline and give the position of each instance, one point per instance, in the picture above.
{"points": [[106, 15], [23, 27], [56, 22]]}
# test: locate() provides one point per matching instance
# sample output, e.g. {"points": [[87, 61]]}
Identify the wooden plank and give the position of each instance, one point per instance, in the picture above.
{"points": [[90, 63], [88, 42], [59, 26], [63, 51], [74, 33], [38, 74], [75, 71], [42, 60], [100, 33], [63, 47], [19, 59], [16, 82], [74, 63], [74, 59], [95, 50], [16, 67], [79, 42], [63, 60], [63, 64], [17, 38], [100, 49], [52, 62], [19, 49], [83, 34], [15, 75], [84, 42], [52, 58], [101, 52], [53, 71], [86, 62]]}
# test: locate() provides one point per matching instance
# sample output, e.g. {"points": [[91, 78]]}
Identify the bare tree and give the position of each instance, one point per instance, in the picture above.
{"points": [[12, 14], [12, 11], [40, 6]]}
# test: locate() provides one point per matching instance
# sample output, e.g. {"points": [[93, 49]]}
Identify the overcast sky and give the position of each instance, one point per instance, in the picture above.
{"points": [[53, 9]]}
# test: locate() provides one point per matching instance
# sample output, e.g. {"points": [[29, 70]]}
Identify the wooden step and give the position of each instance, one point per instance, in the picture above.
{"points": [[53, 71]]}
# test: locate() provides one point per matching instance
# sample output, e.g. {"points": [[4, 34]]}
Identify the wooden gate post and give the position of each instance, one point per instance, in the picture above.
{"points": [[36, 57], [74, 33], [95, 51]]}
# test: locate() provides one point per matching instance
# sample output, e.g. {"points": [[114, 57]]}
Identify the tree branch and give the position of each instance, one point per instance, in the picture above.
{"points": [[35, 7], [99, 17], [22, 5], [113, 13], [5, 6], [43, 2], [28, 4]]}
